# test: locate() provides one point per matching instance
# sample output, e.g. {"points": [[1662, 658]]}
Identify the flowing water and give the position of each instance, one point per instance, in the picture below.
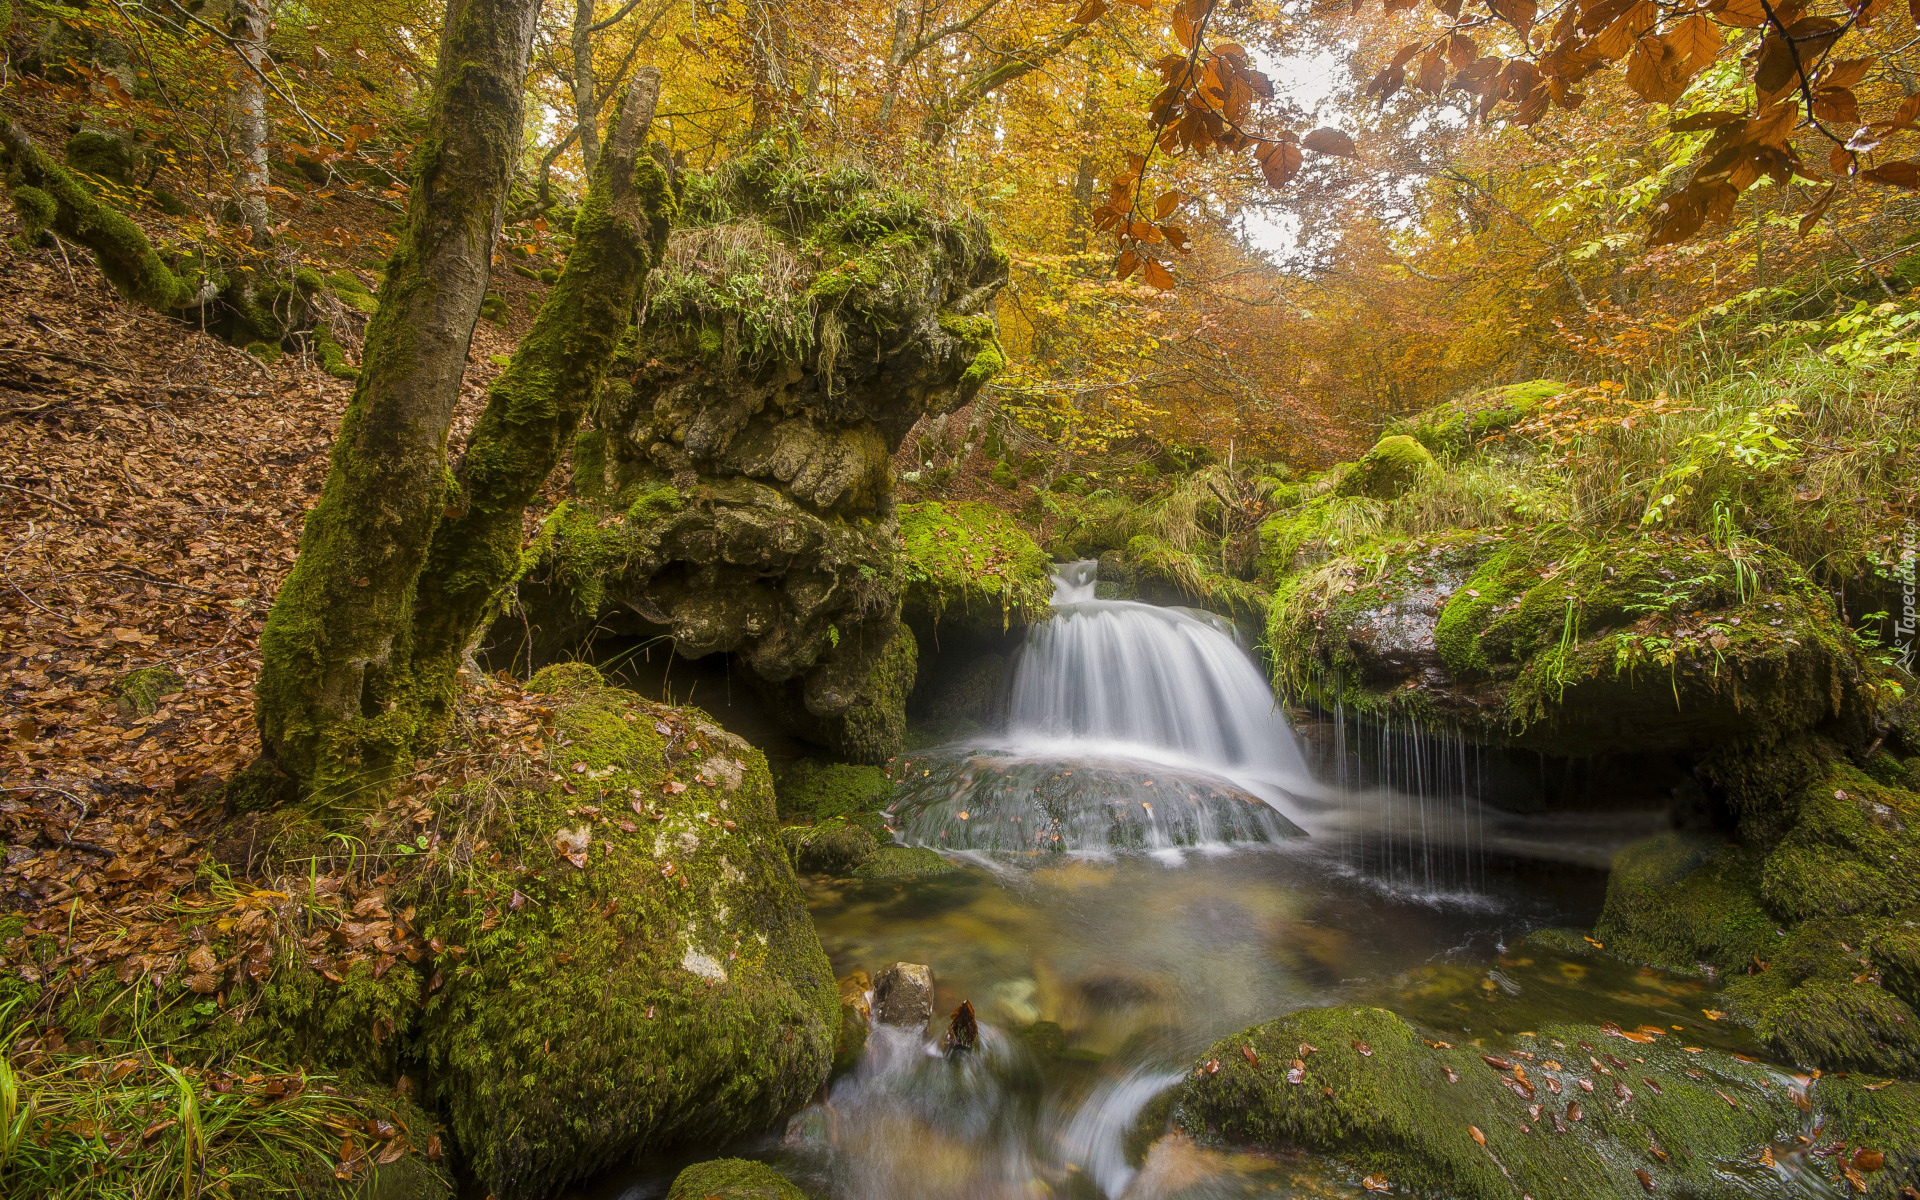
{"points": [[1148, 865]]}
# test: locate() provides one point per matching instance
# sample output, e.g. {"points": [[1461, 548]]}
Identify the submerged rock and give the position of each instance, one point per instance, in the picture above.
{"points": [[732, 1179], [1493, 1122], [737, 488], [903, 995], [636, 966]]}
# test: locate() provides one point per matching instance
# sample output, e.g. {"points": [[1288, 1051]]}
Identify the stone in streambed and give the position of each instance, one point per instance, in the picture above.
{"points": [[903, 995], [856, 1013], [733, 1179], [1375, 1092]]}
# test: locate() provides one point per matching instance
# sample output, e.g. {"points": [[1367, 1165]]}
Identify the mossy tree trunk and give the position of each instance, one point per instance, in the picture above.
{"points": [[535, 405], [332, 702]]}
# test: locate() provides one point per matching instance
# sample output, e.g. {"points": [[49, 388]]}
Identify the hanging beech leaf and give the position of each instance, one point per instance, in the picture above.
{"points": [[1900, 174], [1329, 141], [1158, 275], [1818, 210]]}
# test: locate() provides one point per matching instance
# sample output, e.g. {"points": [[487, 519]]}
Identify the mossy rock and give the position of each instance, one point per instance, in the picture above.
{"points": [[102, 156], [1390, 469], [1461, 422], [968, 567], [1549, 640], [833, 847], [1685, 902], [664, 986], [733, 1179], [1896, 951], [811, 790], [1854, 849], [1316, 529], [1877, 1116], [1384, 1097], [139, 692], [893, 862]]}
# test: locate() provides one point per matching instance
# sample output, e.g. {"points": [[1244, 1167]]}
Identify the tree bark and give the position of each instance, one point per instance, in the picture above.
{"points": [[586, 97], [332, 701], [535, 405], [249, 31]]}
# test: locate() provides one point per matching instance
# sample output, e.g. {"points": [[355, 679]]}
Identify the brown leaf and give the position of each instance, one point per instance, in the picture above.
{"points": [[1246, 1052], [1645, 1177], [1376, 1183], [1573, 1110], [1364, 1049], [1433, 75], [1329, 141], [1868, 1160], [1713, 119], [1157, 275], [1899, 174]]}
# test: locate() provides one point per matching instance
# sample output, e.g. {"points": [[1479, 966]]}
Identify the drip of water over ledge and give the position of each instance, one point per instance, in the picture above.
{"points": [[1131, 727]]}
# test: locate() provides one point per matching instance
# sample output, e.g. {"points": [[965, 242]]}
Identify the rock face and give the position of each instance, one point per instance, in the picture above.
{"points": [[903, 995], [1375, 1092], [736, 489], [638, 966]]}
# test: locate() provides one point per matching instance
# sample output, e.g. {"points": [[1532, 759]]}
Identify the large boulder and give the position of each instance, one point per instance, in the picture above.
{"points": [[636, 965], [1498, 1119], [736, 489], [1567, 644]]}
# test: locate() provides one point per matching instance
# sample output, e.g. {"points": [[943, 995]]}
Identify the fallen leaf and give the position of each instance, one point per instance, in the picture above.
{"points": [[1645, 1178], [1868, 1160], [1574, 1112], [1251, 1057], [1376, 1183], [1364, 1049], [1474, 1132]]}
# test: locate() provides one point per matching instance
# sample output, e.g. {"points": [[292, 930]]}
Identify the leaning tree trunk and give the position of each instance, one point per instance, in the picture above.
{"points": [[536, 404], [333, 698]]}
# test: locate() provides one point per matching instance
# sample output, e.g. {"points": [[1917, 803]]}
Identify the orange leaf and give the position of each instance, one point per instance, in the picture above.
{"points": [[1158, 276], [1129, 262], [1899, 174]]}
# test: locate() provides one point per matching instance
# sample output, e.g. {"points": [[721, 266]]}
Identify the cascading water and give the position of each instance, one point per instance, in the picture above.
{"points": [[1130, 727]]}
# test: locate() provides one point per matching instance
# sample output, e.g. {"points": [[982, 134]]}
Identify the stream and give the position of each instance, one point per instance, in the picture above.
{"points": [[1148, 864]]}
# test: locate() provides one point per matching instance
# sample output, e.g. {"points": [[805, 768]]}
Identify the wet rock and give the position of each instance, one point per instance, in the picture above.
{"points": [[732, 1179], [856, 1014], [1386, 1098], [903, 995]]}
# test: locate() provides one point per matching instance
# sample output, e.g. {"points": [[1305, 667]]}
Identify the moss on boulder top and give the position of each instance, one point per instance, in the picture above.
{"points": [[638, 965], [732, 1179], [1382, 1096], [737, 488], [1394, 464], [1459, 423], [1552, 640], [967, 566]]}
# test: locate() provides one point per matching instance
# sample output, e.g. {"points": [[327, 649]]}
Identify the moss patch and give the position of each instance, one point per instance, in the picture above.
{"points": [[138, 693], [811, 790], [1382, 1097], [1393, 466], [1465, 420], [891, 862], [664, 985], [732, 1179], [969, 565]]}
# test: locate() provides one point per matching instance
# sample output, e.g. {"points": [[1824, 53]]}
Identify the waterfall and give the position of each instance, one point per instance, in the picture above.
{"points": [[1131, 727], [1172, 685]]}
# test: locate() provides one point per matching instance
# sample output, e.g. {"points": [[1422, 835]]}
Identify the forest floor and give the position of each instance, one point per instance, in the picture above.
{"points": [[152, 485]]}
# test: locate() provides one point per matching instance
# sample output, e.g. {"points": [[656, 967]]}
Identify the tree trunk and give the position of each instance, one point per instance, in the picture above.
{"points": [[586, 96], [249, 30], [332, 698], [535, 405]]}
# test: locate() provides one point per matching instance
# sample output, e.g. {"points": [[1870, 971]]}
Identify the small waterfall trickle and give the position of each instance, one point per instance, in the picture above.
{"points": [[1131, 727]]}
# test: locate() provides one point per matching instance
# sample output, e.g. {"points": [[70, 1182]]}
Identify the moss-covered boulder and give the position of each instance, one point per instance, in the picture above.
{"points": [[893, 862], [1872, 1128], [1565, 1112], [732, 1179], [969, 567], [103, 156], [810, 790], [1476, 416], [1812, 934], [1571, 645], [834, 847], [635, 966], [1392, 467], [736, 490]]}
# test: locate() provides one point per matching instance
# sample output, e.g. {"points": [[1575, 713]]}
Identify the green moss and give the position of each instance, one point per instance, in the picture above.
{"points": [[969, 564], [1388, 470], [590, 465], [891, 862], [833, 847], [1896, 952], [1682, 902], [1459, 423], [651, 504], [494, 307], [1003, 476], [809, 790], [138, 693], [1854, 849], [266, 352], [1875, 1115], [1407, 1108], [332, 355], [732, 1179], [669, 989], [980, 341], [102, 156], [122, 251]]}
